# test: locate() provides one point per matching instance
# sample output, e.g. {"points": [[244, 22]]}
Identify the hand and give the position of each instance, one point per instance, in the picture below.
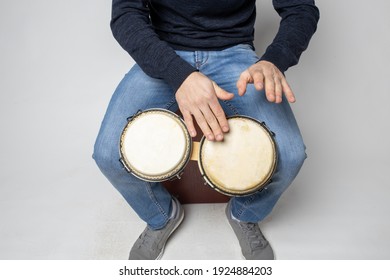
{"points": [[198, 97], [265, 75]]}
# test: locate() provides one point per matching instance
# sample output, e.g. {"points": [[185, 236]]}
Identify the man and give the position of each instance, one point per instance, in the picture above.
{"points": [[198, 56]]}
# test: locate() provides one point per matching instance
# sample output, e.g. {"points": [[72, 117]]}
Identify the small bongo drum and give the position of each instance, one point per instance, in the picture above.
{"points": [[156, 146]]}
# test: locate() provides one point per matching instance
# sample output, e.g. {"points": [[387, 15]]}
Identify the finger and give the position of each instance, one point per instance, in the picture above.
{"points": [[217, 109], [201, 121], [243, 81], [221, 93], [220, 116], [189, 122], [241, 87], [258, 80], [288, 91], [278, 91], [213, 123], [270, 88]]}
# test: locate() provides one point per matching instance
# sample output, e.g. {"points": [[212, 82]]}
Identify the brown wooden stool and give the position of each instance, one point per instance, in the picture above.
{"points": [[191, 188]]}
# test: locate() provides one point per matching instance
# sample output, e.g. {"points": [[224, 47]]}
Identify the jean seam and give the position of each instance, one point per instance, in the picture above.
{"points": [[231, 107], [153, 198], [170, 103], [244, 206], [200, 60]]}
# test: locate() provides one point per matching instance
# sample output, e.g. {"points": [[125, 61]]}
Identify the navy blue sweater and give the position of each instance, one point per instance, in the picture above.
{"points": [[151, 30]]}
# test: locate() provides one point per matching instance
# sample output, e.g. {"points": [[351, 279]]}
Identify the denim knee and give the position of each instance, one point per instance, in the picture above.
{"points": [[106, 157], [292, 160]]}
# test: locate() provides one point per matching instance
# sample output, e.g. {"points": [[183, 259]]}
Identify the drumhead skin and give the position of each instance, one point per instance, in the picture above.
{"points": [[155, 145], [244, 162]]}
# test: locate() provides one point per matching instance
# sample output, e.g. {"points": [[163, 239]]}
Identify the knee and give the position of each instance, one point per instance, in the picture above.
{"points": [[293, 158], [106, 156], [298, 154]]}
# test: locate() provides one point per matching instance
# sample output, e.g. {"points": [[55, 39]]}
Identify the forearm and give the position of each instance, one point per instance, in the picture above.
{"points": [[298, 24], [132, 29]]}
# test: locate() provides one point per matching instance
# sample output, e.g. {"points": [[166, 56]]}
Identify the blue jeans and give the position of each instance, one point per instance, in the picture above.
{"points": [[137, 91]]}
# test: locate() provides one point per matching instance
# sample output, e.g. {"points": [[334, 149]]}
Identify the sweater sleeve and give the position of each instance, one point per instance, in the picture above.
{"points": [[131, 27], [298, 23]]}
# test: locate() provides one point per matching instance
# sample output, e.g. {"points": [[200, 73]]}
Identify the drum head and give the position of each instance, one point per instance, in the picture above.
{"points": [[155, 145], [244, 162]]}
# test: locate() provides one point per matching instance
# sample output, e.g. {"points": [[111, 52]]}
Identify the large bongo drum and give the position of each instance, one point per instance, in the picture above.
{"points": [[244, 162], [156, 146]]}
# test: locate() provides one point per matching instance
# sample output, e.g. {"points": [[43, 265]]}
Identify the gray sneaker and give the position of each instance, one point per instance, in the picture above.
{"points": [[253, 244], [150, 244]]}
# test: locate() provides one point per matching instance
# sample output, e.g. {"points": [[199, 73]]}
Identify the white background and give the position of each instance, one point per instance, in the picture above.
{"points": [[59, 65]]}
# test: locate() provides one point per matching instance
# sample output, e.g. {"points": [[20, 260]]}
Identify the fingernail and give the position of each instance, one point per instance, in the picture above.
{"points": [[192, 133], [219, 137], [210, 137], [225, 129]]}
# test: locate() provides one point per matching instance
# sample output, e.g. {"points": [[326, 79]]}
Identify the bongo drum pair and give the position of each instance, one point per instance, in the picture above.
{"points": [[156, 146]]}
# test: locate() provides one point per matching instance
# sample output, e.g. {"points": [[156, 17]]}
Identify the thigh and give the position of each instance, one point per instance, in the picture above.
{"points": [[225, 68], [137, 91], [279, 118]]}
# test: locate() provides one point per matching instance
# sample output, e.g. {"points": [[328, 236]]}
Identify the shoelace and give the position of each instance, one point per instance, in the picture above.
{"points": [[147, 238], [255, 238]]}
